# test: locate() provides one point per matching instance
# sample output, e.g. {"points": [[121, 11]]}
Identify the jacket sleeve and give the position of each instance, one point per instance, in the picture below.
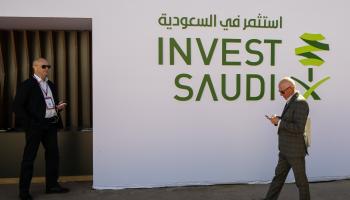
{"points": [[297, 124]]}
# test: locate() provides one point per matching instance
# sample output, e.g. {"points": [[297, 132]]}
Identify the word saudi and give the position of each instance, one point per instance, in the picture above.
{"points": [[230, 56]]}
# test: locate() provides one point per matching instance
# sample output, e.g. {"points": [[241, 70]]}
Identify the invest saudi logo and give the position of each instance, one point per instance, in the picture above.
{"points": [[312, 61]]}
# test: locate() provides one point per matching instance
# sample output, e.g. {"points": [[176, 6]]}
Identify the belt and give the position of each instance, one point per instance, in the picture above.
{"points": [[52, 120]]}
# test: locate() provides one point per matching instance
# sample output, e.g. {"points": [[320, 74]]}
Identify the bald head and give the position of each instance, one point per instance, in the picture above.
{"points": [[39, 61], [286, 87], [288, 82], [41, 67]]}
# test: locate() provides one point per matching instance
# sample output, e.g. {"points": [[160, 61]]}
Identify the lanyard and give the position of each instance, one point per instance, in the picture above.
{"points": [[45, 90]]}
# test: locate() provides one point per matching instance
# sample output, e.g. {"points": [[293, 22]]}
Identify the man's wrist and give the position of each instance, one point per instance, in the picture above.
{"points": [[279, 121]]}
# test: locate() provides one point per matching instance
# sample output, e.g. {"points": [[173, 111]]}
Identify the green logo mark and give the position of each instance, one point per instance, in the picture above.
{"points": [[311, 59]]}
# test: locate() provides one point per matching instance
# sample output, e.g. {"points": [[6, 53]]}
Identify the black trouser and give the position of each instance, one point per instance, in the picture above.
{"points": [[281, 172], [47, 135]]}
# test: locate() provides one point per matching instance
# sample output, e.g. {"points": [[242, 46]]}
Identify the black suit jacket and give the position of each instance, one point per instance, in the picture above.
{"points": [[29, 104], [292, 126]]}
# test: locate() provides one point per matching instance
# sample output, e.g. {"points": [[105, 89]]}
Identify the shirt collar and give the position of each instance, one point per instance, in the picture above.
{"points": [[39, 79], [289, 98]]}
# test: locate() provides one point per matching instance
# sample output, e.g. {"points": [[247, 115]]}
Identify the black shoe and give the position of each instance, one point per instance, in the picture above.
{"points": [[25, 196], [56, 189]]}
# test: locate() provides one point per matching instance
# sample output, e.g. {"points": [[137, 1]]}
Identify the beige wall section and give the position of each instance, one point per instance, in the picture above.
{"points": [[2, 77], [49, 54], [23, 62], [12, 74], [73, 78], [85, 80], [61, 78], [2, 88], [36, 45]]}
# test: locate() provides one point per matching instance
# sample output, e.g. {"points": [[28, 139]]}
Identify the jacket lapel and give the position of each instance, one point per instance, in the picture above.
{"points": [[295, 96], [37, 87]]}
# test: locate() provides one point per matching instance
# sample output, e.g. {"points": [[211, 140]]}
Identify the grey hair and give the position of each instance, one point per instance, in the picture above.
{"points": [[288, 80]]}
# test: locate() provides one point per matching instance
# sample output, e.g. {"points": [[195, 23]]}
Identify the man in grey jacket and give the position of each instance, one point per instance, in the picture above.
{"points": [[291, 143]]}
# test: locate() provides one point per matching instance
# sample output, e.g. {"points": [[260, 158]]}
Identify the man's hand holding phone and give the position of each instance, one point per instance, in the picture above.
{"points": [[273, 119], [61, 105]]}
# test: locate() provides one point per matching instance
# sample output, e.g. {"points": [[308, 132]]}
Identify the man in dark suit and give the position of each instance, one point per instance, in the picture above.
{"points": [[291, 143], [37, 109]]}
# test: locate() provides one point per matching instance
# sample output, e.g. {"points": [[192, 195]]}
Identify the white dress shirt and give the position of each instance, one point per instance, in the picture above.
{"points": [[45, 89]]}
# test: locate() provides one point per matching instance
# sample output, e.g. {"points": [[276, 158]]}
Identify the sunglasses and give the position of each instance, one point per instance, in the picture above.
{"points": [[46, 66], [284, 91]]}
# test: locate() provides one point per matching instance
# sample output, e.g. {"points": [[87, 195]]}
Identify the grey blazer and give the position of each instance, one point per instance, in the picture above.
{"points": [[291, 128]]}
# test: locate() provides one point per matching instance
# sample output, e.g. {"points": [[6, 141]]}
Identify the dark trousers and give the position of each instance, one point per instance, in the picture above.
{"points": [[281, 172], [46, 135]]}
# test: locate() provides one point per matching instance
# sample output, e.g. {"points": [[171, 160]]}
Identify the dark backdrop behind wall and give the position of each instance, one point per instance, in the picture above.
{"points": [[69, 53], [66, 44]]}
